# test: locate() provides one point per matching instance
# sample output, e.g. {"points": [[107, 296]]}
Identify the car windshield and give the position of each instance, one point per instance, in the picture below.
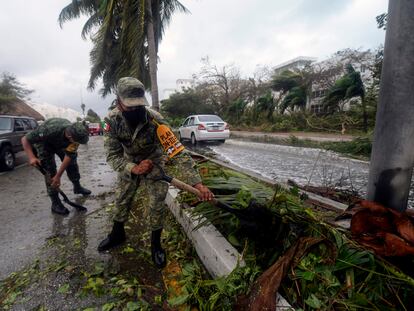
{"points": [[5, 124], [210, 119]]}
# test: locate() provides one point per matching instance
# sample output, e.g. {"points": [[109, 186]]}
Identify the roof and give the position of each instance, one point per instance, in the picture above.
{"points": [[17, 107], [10, 116], [296, 60]]}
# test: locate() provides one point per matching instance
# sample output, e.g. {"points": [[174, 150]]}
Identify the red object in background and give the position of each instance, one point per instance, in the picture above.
{"points": [[95, 129]]}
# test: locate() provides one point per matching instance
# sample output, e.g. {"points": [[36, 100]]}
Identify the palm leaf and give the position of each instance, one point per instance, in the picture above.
{"points": [[77, 8]]}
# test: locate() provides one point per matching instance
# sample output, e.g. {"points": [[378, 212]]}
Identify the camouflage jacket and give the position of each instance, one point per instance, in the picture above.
{"points": [[126, 148], [49, 137]]}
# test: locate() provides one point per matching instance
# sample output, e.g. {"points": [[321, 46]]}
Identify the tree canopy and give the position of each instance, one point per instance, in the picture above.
{"points": [[181, 105], [92, 116], [11, 88]]}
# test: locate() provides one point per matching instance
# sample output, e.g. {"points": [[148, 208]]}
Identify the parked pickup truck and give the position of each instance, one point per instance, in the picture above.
{"points": [[12, 129]]}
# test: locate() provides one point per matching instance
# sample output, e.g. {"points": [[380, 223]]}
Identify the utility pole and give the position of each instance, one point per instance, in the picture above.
{"points": [[392, 156], [82, 104]]}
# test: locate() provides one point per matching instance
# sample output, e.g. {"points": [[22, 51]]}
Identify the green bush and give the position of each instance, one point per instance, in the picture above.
{"points": [[175, 122], [360, 146], [284, 125]]}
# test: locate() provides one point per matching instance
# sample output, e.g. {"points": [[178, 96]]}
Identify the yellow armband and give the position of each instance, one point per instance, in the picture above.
{"points": [[72, 148]]}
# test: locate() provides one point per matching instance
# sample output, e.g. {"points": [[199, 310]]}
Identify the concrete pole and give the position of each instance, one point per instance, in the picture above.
{"points": [[392, 156]]}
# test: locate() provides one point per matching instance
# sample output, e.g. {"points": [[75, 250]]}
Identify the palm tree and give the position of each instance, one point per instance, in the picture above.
{"points": [[295, 98], [236, 110], [266, 103], [348, 86], [127, 39], [293, 88], [118, 45]]}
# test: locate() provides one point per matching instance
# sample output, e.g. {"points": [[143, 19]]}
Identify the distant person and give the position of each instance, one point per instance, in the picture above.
{"points": [[132, 149], [61, 137]]}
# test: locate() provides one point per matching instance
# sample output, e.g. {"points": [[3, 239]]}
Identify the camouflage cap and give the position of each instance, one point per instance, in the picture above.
{"points": [[79, 132], [131, 92]]}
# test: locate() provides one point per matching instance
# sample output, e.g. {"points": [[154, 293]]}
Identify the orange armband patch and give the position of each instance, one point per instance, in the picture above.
{"points": [[172, 146]]}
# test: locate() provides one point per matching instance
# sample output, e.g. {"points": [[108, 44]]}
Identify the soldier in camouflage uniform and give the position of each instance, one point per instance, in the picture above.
{"points": [[132, 148], [61, 137]]}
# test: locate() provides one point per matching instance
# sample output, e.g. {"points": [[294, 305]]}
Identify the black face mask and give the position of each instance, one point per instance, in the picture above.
{"points": [[135, 116]]}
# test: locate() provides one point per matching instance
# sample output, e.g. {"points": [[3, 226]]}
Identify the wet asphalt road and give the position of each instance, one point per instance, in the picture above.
{"points": [[280, 163], [26, 222]]}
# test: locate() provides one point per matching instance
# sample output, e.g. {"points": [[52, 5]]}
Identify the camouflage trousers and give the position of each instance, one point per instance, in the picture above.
{"points": [[153, 199], [47, 160], [181, 166]]}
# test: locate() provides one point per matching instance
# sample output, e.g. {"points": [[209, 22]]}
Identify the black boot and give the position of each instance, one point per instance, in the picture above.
{"points": [[115, 238], [57, 206], [158, 255], [78, 189]]}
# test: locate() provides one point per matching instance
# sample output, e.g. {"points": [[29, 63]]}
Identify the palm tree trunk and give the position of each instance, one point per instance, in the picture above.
{"points": [[152, 54]]}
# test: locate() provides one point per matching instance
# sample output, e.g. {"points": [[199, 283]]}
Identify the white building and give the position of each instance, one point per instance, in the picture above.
{"points": [[329, 71], [297, 63], [182, 84]]}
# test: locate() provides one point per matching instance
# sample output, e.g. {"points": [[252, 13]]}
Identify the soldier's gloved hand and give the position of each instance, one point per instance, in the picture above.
{"points": [[34, 161], [206, 194], [55, 181], [144, 167]]}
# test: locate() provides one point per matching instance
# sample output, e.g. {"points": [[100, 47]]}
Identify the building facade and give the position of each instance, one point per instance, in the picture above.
{"points": [[327, 72]]}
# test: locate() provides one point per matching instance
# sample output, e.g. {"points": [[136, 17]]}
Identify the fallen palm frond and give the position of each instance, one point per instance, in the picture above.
{"points": [[336, 273]]}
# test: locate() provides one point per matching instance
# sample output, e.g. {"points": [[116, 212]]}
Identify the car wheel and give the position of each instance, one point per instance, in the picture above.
{"points": [[222, 141], [179, 136], [7, 159], [193, 139]]}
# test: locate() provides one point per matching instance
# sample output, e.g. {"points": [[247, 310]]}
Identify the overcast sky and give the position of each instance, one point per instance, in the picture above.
{"points": [[55, 62]]}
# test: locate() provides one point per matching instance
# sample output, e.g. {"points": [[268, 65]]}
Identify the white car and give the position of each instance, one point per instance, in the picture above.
{"points": [[204, 127]]}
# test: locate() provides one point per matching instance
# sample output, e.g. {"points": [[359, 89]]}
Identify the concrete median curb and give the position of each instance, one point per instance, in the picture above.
{"points": [[217, 254]]}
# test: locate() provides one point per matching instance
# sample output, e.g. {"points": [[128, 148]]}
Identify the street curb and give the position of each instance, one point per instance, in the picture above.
{"points": [[218, 256], [275, 138]]}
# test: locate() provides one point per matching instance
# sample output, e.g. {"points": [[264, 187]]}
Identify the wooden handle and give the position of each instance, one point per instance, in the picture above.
{"points": [[183, 186], [186, 187]]}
